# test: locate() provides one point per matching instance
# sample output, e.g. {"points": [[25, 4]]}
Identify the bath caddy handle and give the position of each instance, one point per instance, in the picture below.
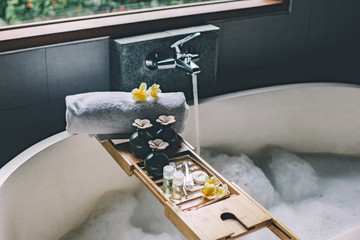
{"points": [[233, 216]]}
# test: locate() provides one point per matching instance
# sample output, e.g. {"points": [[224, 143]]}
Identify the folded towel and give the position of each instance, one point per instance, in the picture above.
{"points": [[114, 112]]}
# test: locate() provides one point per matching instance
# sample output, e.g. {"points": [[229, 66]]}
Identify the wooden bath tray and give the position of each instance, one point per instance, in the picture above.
{"points": [[235, 215]]}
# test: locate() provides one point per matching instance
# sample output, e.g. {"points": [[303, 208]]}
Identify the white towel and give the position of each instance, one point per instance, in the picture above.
{"points": [[114, 112]]}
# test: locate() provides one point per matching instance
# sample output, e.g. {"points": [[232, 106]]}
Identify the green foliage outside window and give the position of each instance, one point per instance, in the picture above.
{"points": [[22, 11]]}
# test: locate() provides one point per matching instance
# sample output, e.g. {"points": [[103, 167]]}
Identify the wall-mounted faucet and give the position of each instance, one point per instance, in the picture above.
{"points": [[182, 60]]}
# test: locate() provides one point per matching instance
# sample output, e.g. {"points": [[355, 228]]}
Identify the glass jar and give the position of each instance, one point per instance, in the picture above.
{"points": [[157, 159], [168, 134], [139, 139]]}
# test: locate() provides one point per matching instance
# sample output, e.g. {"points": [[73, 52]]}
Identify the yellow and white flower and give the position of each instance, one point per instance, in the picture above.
{"points": [[212, 189], [221, 191], [208, 191], [140, 94], [154, 90], [212, 180]]}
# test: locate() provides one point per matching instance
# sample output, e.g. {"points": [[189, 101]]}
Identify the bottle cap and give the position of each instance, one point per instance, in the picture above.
{"points": [[178, 178], [168, 171]]}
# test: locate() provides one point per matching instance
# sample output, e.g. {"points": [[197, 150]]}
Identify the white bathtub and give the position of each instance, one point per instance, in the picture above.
{"points": [[52, 187]]}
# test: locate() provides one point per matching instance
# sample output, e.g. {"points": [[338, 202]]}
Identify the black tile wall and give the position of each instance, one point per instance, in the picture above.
{"points": [[33, 86], [77, 68], [22, 78], [57, 115], [317, 42], [334, 23], [257, 42], [22, 127]]}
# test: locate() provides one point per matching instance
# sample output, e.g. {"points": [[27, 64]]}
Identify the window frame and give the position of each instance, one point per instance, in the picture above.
{"points": [[134, 22]]}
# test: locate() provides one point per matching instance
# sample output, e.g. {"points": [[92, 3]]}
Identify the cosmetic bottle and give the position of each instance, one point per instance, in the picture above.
{"points": [[177, 187], [188, 181], [168, 175]]}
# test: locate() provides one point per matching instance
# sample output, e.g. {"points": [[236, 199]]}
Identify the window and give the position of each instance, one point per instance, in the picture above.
{"points": [[124, 23], [23, 11]]}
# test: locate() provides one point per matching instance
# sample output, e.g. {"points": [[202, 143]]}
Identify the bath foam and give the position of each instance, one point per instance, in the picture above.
{"points": [[332, 211], [153, 221], [292, 176], [113, 215], [242, 170]]}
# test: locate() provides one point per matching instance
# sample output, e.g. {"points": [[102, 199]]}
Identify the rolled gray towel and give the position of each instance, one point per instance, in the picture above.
{"points": [[114, 112]]}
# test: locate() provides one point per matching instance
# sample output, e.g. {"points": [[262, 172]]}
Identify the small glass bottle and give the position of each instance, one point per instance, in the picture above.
{"points": [[168, 175], [189, 182], [177, 187]]}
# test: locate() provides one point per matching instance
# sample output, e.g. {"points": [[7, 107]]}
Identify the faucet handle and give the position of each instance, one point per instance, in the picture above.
{"points": [[192, 56], [184, 40]]}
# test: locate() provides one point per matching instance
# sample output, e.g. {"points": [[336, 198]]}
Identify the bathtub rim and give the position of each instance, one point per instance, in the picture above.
{"points": [[243, 93], [21, 158]]}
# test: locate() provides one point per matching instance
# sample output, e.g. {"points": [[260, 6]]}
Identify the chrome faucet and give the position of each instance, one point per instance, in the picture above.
{"points": [[182, 60]]}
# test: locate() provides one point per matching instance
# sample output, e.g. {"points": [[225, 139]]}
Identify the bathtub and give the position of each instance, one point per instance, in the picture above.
{"points": [[52, 187]]}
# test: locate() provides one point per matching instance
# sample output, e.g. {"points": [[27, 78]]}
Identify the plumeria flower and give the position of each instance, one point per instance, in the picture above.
{"points": [[166, 120], [142, 123], [221, 191], [158, 144], [140, 94], [154, 90], [212, 180], [208, 191]]}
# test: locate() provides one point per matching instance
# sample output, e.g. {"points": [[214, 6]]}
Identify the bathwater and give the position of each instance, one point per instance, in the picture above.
{"points": [[196, 113], [316, 196]]}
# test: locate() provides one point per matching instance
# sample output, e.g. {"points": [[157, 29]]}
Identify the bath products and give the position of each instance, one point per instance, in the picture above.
{"points": [[199, 177], [139, 139], [168, 175], [157, 159], [168, 134], [188, 180], [174, 165], [177, 187]]}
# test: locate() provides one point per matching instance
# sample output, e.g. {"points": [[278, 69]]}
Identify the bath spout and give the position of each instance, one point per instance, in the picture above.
{"points": [[190, 68], [181, 60], [166, 64]]}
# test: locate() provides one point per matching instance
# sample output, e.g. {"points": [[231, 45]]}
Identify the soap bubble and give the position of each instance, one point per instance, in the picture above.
{"points": [[242, 170], [323, 214], [114, 214], [314, 196], [292, 176]]}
